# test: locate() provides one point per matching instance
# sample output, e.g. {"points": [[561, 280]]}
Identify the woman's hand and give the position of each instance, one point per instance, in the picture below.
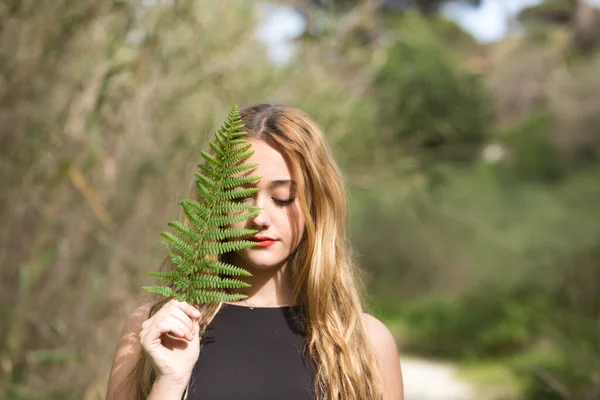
{"points": [[170, 339]]}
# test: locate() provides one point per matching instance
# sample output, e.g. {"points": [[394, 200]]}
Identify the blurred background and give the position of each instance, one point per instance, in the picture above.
{"points": [[468, 131]]}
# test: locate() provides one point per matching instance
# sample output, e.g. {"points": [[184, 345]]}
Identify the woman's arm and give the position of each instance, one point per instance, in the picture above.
{"points": [[144, 336], [127, 354], [384, 346]]}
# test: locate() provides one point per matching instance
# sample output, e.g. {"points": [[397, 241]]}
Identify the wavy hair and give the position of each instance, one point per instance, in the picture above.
{"points": [[323, 271]]}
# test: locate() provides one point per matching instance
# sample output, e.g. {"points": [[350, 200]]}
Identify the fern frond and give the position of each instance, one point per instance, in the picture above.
{"points": [[185, 231], [224, 220], [195, 248], [226, 233], [214, 281], [217, 149], [203, 190], [185, 249], [227, 247], [219, 267], [239, 157], [210, 158], [238, 169], [185, 265], [220, 136], [209, 296], [228, 206], [236, 135], [209, 171], [208, 183], [165, 276], [197, 208], [234, 181], [237, 193], [162, 290]]}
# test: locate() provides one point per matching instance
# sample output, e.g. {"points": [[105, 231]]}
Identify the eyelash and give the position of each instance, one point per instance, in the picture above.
{"points": [[279, 203], [283, 203]]}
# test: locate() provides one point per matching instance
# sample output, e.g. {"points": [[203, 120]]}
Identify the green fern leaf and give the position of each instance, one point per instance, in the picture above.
{"points": [[209, 296], [217, 149], [227, 247], [242, 168], [210, 158], [164, 276], [219, 267], [232, 182], [184, 231], [224, 220], [238, 157], [185, 249], [195, 247], [162, 290], [199, 209], [225, 233], [213, 281], [234, 206], [208, 171], [237, 194]]}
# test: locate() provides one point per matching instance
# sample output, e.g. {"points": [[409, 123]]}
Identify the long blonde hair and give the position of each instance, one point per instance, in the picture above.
{"points": [[323, 270]]}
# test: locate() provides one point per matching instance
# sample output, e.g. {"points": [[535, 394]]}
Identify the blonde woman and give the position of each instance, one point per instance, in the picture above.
{"points": [[301, 333]]}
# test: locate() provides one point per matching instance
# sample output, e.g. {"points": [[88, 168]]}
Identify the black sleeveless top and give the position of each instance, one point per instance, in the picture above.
{"points": [[253, 353]]}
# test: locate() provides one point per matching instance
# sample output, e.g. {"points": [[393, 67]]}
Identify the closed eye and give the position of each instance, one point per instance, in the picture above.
{"points": [[286, 202], [240, 199]]}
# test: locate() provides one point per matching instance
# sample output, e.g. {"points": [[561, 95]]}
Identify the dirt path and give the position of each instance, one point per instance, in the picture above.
{"points": [[430, 380]]}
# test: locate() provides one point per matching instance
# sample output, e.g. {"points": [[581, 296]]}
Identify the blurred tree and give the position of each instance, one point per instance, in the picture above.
{"points": [[549, 11], [370, 13], [425, 6], [429, 105], [577, 15]]}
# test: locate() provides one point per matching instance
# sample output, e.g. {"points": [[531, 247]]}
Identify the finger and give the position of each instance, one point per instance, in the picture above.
{"points": [[183, 317], [188, 309], [174, 326], [148, 321], [168, 325]]}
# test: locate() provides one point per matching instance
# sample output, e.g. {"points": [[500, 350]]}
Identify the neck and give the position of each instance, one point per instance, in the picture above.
{"points": [[270, 287]]}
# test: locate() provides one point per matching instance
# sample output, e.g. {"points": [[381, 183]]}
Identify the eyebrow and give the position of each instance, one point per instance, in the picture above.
{"points": [[282, 182], [274, 184]]}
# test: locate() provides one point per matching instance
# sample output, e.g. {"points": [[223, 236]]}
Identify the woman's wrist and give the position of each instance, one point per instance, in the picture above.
{"points": [[169, 387]]}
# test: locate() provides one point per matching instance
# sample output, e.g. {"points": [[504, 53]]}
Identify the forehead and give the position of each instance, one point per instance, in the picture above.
{"points": [[272, 165]]}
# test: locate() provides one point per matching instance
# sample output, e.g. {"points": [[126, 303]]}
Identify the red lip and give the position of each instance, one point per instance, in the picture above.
{"points": [[263, 241]]}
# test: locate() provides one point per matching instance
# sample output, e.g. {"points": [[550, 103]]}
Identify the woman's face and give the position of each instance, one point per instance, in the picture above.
{"points": [[280, 224]]}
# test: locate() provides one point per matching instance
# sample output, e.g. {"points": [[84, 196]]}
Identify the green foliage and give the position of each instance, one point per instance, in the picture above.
{"points": [[200, 278], [572, 368], [429, 105], [567, 364], [534, 155], [492, 269], [489, 321]]}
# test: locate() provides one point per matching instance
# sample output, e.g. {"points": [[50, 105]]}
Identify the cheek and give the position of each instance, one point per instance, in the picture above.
{"points": [[296, 224]]}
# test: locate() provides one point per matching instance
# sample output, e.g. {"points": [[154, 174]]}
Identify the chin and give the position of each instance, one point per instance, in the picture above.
{"points": [[260, 261], [264, 264]]}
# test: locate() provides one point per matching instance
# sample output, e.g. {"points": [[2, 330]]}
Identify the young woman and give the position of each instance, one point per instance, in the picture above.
{"points": [[301, 332]]}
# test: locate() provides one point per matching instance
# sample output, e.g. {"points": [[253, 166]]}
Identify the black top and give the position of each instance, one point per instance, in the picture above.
{"points": [[253, 353]]}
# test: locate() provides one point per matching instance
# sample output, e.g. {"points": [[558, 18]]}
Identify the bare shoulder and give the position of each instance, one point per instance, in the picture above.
{"points": [[384, 346], [128, 352], [377, 332], [380, 337]]}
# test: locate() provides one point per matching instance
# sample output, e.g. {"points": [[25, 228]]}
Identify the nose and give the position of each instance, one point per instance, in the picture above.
{"points": [[262, 220]]}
